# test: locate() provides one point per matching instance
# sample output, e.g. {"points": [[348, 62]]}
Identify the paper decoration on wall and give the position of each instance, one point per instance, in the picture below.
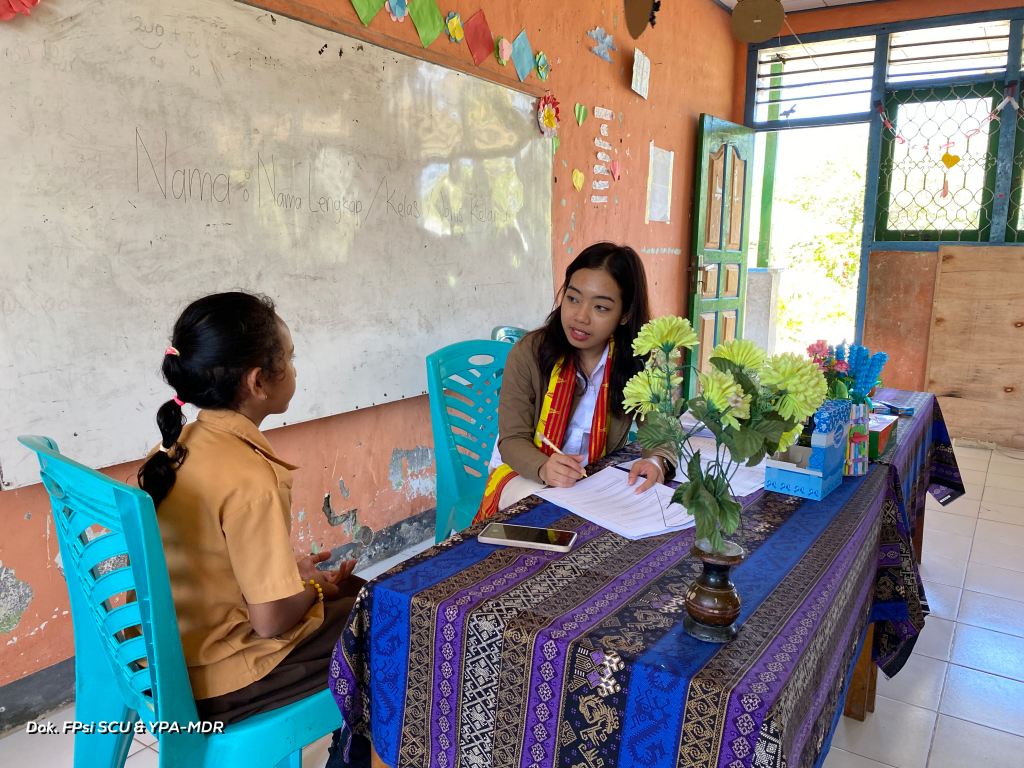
{"points": [[502, 50], [548, 116], [454, 26], [601, 170], [754, 21], [397, 9], [949, 160], [602, 144], [614, 167], [367, 9], [555, 144], [641, 72], [604, 44], [428, 20], [659, 185], [543, 68], [478, 37], [577, 179], [581, 113], [9, 8], [604, 157], [603, 114], [598, 199], [601, 184], [604, 129], [522, 56], [638, 16]]}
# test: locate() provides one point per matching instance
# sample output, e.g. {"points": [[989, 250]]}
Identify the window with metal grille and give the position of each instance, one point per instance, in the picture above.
{"points": [[946, 53], [823, 79], [938, 165]]}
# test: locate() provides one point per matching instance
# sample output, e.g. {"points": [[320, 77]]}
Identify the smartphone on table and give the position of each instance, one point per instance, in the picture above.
{"points": [[507, 535]]}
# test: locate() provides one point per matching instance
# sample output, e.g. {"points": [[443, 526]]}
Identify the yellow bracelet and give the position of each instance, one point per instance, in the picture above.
{"points": [[319, 591]]}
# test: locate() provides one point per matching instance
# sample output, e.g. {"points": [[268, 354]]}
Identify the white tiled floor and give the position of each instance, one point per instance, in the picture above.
{"points": [[959, 701], [20, 750]]}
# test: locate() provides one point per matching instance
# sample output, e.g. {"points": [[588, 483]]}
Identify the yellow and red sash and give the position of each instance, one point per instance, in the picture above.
{"points": [[554, 420]]}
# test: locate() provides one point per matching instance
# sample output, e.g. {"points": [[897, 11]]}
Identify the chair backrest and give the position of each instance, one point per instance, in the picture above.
{"points": [[464, 382], [508, 333], [110, 546]]}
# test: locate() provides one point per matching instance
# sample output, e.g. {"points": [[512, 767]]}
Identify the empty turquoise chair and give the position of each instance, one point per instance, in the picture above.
{"points": [[508, 333], [128, 659], [464, 382]]}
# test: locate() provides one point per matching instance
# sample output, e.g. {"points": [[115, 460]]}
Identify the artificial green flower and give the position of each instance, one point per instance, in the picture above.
{"points": [[742, 352], [799, 382], [646, 391], [664, 333], [788, 438], [723, 393]]}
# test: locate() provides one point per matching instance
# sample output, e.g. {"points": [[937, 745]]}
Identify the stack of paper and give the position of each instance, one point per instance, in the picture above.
{"points": [[745, 480], [606, 499]]}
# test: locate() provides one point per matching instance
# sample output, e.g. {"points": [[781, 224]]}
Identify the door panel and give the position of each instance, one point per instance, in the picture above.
{"points": [[721, 235]]}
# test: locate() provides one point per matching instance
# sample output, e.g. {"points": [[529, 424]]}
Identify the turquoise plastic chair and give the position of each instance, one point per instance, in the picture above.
{"points": [[508, 333], [110, 544], [464, 382]]}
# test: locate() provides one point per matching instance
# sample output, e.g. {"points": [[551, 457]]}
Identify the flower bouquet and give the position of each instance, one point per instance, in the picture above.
{"points": [[832, 363], [753, 405]]}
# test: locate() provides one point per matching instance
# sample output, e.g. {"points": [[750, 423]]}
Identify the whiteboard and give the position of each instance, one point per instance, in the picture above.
{"points": [[153, 151]]}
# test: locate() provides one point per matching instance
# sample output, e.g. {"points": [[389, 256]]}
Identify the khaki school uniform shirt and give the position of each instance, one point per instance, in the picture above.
{"points": [[523, 386], [226, 528]]}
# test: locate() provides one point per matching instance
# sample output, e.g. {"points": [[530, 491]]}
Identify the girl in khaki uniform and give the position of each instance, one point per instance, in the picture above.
{"points": [[563, 383], [257, 627]]}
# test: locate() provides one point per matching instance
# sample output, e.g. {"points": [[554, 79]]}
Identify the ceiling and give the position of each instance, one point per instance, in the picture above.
{"points": [[804, 5]]}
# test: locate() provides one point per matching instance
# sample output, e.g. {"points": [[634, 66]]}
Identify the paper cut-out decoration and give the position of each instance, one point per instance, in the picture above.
{"points": [[478, 37], [600, 184], [602, 144], [603, 114], [614, 167], [638, 16], [604, 157], [949, 160], [754, 21], [522, 56], [604, 129], [577, 179], [601, 170], [8, 8], [604, 44], [397, 9], [659, 185], [543, 68], [502, 50], [598, 199], [367, 9], [555, 144], [581, 113], [548, 116], [641, 72], [945, 187], [454, 26], [428, 20]]}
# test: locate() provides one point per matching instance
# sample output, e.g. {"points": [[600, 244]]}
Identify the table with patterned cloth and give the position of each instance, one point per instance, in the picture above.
{"points": [[477, 655]]}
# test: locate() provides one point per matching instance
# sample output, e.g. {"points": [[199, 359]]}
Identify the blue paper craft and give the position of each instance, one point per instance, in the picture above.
{"points": [[604, 44], [813, 473], [522, 56]]}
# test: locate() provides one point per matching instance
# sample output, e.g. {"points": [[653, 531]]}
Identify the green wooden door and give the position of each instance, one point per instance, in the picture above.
{"points": [[721, 233]]}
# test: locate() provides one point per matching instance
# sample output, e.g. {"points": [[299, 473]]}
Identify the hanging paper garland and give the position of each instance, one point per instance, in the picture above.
{"points": [[502, 50], [397, 9], [543, 68], [8, 8], [547, 116], [454, 26]]}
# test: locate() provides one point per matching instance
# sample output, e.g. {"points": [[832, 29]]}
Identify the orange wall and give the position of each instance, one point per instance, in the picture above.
{"points": [[374, 451]]}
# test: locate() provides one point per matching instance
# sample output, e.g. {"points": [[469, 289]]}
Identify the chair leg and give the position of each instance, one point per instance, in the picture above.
{"points": [[294, 760], [445, 518], [103, 750]]}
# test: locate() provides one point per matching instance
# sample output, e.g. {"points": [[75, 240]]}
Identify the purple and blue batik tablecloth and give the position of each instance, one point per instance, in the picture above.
{"points": [[479, 656]]}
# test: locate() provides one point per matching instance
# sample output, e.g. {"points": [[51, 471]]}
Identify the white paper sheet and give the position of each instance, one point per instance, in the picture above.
{"points": [[606, 499], [745, 480]]}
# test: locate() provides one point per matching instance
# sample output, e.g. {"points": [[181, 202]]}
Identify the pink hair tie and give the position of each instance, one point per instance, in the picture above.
{"points": [[179, 401], [172, 351]]}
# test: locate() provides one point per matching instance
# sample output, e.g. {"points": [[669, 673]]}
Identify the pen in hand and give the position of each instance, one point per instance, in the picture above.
{"points": [[556, 449]]}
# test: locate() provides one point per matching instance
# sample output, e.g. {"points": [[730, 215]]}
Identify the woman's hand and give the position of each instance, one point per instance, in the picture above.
{"points": [[562, 471], [650, 469]]}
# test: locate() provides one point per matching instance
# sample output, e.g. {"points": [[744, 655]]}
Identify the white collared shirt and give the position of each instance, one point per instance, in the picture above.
{"points": [[577, 433]]}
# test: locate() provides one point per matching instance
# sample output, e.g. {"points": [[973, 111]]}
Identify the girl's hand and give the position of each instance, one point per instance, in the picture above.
{"points": [[562, 471], [650, 469], [308, 570]]}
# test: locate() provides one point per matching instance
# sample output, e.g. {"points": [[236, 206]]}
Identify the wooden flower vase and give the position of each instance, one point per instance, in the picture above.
{"points": [[712, 602]]}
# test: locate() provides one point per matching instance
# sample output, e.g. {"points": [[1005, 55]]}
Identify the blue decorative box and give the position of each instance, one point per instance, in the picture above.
{"points": [[813, 473]]}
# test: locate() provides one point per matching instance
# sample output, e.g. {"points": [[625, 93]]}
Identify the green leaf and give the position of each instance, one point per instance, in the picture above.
{"points": [[729, 516], [693, 472], [771, 429], [716, 541], [747, 441], [749, 387], [657, 430], [679, 407], [684, 494], [758, 457], [725, 366]]}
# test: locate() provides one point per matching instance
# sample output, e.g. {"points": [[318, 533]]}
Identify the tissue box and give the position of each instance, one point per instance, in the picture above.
{"points": [[880, 429], [813, 473]]}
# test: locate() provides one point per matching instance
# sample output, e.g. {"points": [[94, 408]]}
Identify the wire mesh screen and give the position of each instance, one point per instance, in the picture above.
{"points": [[937, 171]]}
